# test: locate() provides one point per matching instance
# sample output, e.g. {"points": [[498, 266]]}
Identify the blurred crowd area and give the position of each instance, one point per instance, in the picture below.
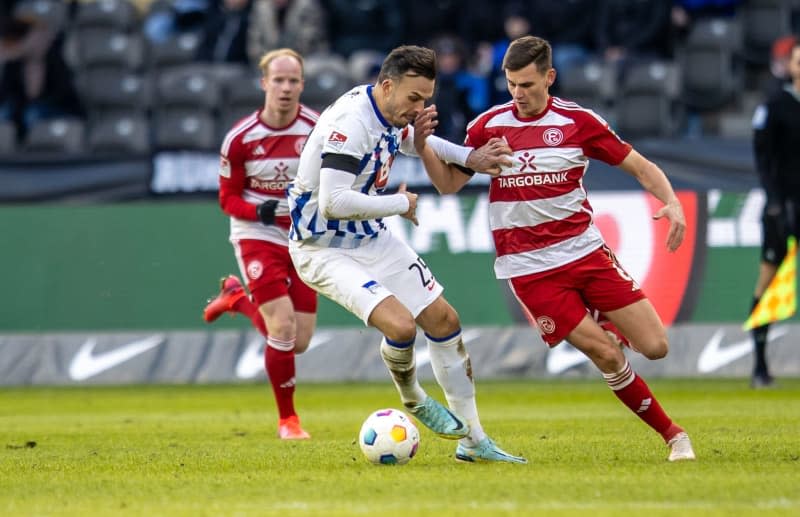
{"points": [[138, 76]]}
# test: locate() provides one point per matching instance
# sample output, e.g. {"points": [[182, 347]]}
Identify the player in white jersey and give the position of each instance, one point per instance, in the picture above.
{"points": [[547, 244], [343, 249], [259, 157]]}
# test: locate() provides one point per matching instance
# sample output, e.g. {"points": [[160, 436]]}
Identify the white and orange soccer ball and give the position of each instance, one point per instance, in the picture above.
{"points": [[388, 437]]}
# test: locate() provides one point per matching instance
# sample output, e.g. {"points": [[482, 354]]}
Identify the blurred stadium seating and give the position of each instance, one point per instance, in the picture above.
{"points": [[650, 108], [711, 64], [57, 136], [592, 85], [762, 22], [128, 81]]}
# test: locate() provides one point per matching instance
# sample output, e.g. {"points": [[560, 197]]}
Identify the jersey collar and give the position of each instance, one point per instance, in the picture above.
{"points": [[535, 117], [375, 108]]}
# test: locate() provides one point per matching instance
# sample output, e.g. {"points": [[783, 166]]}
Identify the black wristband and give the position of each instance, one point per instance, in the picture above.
{"points": [[266, 211]]}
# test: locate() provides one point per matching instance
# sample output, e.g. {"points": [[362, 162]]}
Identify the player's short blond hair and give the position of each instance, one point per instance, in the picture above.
{"points": [[272, 55]]}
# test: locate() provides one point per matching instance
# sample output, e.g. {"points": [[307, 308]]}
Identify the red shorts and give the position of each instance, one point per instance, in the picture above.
{"points": [[270, 274], [559, 299]]}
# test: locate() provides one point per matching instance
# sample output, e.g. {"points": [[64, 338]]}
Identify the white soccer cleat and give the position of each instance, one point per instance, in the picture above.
{"points": [[680, 448]]}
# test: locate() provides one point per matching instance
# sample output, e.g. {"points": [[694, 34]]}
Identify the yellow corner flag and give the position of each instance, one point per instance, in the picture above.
{"points": [[779, 301]]}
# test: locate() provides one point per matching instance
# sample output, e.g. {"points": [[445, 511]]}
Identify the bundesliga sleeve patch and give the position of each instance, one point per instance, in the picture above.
{"points": [[224, 167], [337, 140]]}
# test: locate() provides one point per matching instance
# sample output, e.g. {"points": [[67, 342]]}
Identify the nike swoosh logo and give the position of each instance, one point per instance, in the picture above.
{"points": [[562, 357], [85, 364], [714, 356], [251, 362], [456, 420], [423, 356]]}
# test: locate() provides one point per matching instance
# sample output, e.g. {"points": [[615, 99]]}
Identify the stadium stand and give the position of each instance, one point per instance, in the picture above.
{"points": [[712, 69], [53, 12], [8, 138], [762, 22], [592, 85], [108, 47], [241, 98], [184, 111], [127, 78], [362, 63], [650, 108], [185, 129], [64, 135], [120, 133], [326, 77], [120, 15], [109, 90], [195, 86], [177, 50]]}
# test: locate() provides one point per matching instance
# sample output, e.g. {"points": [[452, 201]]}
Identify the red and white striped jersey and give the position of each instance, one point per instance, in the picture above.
{"points": [[257, 163], [539, 212]]}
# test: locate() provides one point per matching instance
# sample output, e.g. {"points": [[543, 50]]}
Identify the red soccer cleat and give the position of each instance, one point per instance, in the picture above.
{"points": [[231, 291], [289, 429]]}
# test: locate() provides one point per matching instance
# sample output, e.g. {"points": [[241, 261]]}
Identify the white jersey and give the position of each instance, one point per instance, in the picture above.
{"points": [[352, 127]]}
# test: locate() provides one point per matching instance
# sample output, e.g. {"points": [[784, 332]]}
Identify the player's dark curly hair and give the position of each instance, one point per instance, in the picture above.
{"points": [[409, 60], [526, 50]]}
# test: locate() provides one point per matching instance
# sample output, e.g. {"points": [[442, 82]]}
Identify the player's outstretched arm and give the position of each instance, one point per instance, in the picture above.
{"points": [[337, 199], [653, 179], [447, 178], [450, 166]]}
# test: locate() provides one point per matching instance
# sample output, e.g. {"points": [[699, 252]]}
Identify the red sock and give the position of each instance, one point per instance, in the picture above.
{"points": [[280, 370], [245, 306], [634, 393]]}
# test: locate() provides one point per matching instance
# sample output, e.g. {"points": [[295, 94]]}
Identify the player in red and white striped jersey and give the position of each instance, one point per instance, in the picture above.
{"points": [[547, 244], [258, 159]]}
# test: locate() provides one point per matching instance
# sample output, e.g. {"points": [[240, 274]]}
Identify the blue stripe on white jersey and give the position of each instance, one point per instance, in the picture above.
{"points": [[354, 127]]}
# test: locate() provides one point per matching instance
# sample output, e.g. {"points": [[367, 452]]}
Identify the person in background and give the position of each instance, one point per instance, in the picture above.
{"points": [[776, 138], [516, 23], [364, 24], [258, 159], [297, 24], [460, 94], [426, 20], [224, 33], [35, 81], [685, 13], [547, 245], [166, 20], [569, 26], [343, 249], [780, 54], [630, 32]]}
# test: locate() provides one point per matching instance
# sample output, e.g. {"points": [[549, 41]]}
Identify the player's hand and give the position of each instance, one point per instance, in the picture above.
{"points": [[411, 214], [491, 158], [266, 211], [673, 211], [424, 126]]}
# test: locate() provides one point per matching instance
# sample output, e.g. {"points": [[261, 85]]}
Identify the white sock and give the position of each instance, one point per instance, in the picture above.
{"points": [[453, 372], [399, 359]]}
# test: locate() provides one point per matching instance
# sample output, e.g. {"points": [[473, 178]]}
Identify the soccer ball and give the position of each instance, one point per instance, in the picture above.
{"points": [[388, 437]]}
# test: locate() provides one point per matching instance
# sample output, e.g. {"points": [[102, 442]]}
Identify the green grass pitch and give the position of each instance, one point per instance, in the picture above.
{"points": [[213, 450]]}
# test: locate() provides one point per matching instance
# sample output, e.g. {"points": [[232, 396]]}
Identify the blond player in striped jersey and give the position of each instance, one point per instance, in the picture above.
{"points": [[547, 245], [258, 159]]}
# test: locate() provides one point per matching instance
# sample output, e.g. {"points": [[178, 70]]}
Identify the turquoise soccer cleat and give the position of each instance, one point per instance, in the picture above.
{"points": [[484, 451], [440, 420]]}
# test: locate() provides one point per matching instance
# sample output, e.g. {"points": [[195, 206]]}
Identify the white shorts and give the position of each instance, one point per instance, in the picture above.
{"points": [[359, 279]]}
